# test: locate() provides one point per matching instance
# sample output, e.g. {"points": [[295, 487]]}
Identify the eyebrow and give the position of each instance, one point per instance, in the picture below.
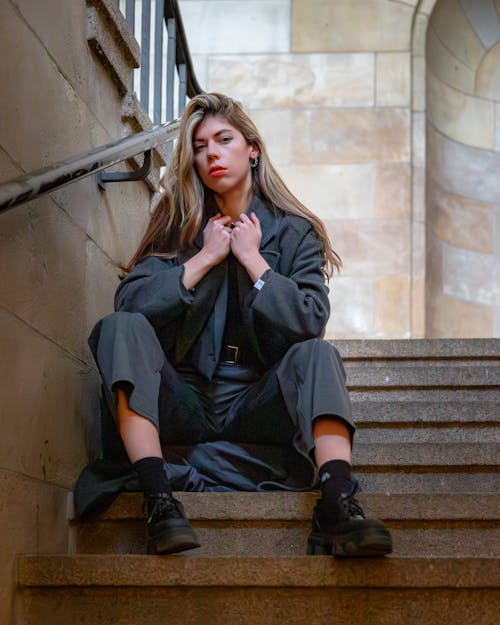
{"points": [[219, 132]]}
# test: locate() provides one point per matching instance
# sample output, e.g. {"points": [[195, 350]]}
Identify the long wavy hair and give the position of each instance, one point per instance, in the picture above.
{"points": [[178, 215]]}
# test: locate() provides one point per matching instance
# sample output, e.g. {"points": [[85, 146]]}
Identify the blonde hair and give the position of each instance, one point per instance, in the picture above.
{"points": [[178, 216]]}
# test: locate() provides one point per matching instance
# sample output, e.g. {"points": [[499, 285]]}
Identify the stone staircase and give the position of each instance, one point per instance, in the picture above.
{"points": [[427, 457]]}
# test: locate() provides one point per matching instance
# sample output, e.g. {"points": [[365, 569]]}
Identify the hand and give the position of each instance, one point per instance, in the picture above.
{"points": [[216, 246], [246, 237], [245, 245], [217, 238]]}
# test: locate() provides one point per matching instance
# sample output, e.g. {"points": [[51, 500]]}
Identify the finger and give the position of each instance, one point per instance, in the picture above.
{"points": [[223, 220], [222, 225], [218, 216], [255, 219], [244, 218]]}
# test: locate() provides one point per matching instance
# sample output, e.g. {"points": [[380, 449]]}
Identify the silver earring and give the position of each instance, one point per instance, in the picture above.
{"points": [[254, 162]]}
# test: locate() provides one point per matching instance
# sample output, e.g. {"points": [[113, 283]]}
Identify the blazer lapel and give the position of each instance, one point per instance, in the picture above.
{"points": [[268, 220], [269, 223], [206, 294]]}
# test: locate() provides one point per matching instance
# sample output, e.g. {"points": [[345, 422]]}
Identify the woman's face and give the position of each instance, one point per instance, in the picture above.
{"points": [[222, 156]]}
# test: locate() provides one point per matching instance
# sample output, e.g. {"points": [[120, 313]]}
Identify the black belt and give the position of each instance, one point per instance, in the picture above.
{"points": [[230, 354]]}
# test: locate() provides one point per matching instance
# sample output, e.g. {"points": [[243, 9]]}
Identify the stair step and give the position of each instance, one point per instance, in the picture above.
{"points": [[298, 571], [468, 365], [417, 407], [426, 455], [240, 540], [422, 374], [370, 435], [281, 506], [414, 481], [419, 349], [322, 590], [274, 524]]}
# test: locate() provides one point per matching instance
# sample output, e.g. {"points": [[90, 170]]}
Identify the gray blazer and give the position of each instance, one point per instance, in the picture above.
{"points": [[292, 305]]}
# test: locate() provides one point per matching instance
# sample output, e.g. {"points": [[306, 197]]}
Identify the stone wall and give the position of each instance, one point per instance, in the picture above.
{"points": [[338, 91], [463, 173], [329, 86], [57, 259]]}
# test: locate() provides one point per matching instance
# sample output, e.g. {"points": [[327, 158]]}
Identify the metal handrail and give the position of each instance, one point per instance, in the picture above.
{"points": [[30, 186], [182, 54], [41, 181]]}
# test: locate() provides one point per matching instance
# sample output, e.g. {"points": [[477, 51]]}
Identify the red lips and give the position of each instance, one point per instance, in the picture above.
{"points": [[217, 170]]}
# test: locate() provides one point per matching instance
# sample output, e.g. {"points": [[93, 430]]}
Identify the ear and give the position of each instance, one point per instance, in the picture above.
{"points": [[254, 151]]}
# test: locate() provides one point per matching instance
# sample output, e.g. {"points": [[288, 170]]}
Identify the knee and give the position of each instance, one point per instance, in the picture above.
{"points": [[123, 338], [121, 329], [319, 352], [124, 325], [128, 320], [315, 348]]}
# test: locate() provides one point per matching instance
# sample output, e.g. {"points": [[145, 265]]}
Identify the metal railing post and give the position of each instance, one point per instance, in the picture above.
{"points": [[170, 76], [145, 37], [170, 69], [158, 61], [130, 14], [182, 87]]}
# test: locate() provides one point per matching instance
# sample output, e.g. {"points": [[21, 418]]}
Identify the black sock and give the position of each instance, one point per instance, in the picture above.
{"points": [[335, 478], [152, 476]]}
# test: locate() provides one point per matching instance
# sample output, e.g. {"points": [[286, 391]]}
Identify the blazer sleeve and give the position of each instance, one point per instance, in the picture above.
{"points": [[154, 288], [296, 305]]}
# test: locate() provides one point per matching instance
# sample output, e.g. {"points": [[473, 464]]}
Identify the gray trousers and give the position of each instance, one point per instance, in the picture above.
{"points": [[275, 409]]}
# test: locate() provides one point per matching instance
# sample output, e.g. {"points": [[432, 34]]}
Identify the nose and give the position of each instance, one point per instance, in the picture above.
{"points": [[212, 150]]}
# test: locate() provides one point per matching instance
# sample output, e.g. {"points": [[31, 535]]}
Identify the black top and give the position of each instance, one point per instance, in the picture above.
{"points": [[234, 330]]}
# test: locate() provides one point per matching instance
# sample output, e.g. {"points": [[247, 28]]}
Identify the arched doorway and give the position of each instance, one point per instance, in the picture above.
{"points": [[462, 66]]}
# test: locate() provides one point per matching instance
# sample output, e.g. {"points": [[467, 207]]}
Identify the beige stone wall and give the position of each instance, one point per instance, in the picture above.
{"points": [[463, 173], [329, 86], [57, 259], [338, 89]]}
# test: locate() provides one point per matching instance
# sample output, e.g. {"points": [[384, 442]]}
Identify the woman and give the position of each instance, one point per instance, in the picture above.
{"points": [[214, 358]]}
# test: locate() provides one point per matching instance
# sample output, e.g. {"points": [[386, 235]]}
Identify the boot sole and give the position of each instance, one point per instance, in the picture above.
{"points": [[173, 541], [374, 543]]}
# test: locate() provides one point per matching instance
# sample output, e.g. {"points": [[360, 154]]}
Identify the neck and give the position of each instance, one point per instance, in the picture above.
{"points": [[234, 204]]}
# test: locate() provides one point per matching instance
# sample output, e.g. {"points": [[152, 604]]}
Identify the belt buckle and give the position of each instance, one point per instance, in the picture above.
{"points": [[231, 354]]}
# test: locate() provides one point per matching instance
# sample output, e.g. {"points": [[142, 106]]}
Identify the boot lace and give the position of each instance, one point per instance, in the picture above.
{"points": [[161, 506], [354, 508]]}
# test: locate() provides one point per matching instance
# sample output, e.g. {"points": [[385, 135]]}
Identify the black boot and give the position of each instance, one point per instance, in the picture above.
{"points": [[168, 529], [339, 528]]}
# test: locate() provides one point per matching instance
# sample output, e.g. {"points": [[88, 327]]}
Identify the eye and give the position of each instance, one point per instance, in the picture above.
{"points": [[197, 147], [226, 138]]}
